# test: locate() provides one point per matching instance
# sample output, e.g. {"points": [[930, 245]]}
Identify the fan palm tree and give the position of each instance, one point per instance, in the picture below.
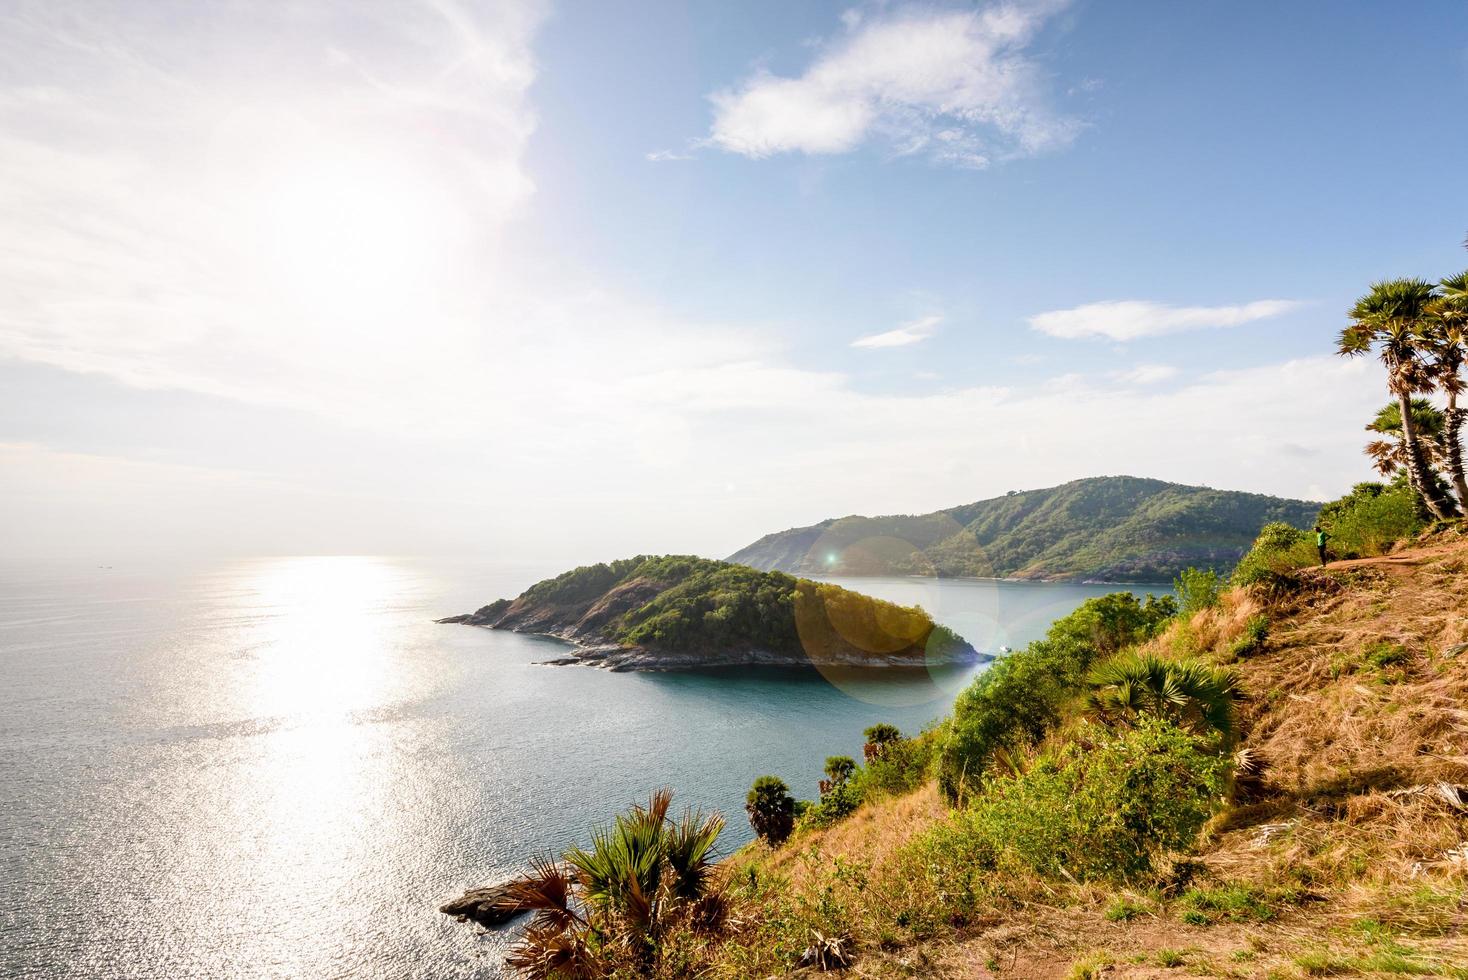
{"points": [[1393, 318], [1387, 454], [1450, 351], [1189, 693], [613, 903]]}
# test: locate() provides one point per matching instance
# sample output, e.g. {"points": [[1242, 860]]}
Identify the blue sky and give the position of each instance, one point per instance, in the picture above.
{"points": [[581, 280]]}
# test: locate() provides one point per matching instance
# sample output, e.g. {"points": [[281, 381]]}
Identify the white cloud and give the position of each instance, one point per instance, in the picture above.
{"points": [[955, 85], [913, 332], [666, 156], [1146, 374], [1123, 320]]}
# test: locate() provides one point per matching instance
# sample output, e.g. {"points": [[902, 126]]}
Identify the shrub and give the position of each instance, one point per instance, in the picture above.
{"points": [[1188, 693], [1197, 589], [1278, 550], [1020, 698], [1102, 807], [1372, 517], [901, 766], [1251, 640], [771, 809], [838, 802]]}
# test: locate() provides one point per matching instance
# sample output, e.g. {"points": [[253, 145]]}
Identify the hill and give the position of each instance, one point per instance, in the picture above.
{"points": [[681, 612], [1339, 850], [1114, 528]]}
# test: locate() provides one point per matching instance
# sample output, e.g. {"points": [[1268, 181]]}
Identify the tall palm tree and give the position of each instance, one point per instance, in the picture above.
{"points": [[1387, 454], [1450, 350], [1393, 319]]}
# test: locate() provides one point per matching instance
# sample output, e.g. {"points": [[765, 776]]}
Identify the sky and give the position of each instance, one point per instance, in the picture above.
{"points": [[568, 281]]}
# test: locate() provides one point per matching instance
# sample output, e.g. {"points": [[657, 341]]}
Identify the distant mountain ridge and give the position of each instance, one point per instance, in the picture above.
{"points": [[1108, 528]]}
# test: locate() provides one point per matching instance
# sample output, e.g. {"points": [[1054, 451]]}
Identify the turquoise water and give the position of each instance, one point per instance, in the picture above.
{"points": [[282, 767]]}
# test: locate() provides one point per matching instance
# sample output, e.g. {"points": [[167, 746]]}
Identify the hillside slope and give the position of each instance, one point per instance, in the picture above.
{"points": [[680, 612], [1118, 529], [1346, 856]]}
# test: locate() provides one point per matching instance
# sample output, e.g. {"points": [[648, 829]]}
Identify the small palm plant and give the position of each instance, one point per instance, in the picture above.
{"points": [[610, 906], [1189, 693]]}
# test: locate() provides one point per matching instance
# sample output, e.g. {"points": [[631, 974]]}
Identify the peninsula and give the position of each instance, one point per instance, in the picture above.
{"points": [[682, 612]]}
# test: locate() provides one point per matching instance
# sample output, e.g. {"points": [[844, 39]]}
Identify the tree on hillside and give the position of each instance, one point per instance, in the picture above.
{"points": [[1449, 344], [1387, 454], [1395, 319]]}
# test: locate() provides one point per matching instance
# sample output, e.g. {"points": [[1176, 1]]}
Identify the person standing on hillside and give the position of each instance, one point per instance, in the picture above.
{"points": [[1320, 538]]}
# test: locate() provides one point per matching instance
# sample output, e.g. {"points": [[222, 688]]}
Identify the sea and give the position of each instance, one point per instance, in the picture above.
{"points": [[282, 767]]}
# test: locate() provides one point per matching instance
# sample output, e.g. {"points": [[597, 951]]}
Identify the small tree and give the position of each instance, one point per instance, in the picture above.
{"points": [[771, 809], [838, 770], [878, 737], [1197, 589]]}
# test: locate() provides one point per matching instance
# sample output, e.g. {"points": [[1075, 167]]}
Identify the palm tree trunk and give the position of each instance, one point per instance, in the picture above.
{"points": [[1418, 471], [1454, 448]]}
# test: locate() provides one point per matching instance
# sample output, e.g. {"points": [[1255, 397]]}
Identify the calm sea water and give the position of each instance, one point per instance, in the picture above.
{"points": [[280, 768]]}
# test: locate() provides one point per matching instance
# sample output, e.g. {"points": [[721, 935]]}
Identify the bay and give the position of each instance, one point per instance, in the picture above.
{"points": [[281, 767]]}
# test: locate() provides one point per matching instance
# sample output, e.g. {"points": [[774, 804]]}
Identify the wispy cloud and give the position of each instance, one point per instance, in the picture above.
{"points": [[912, 332], [1146, 374], [666, 156], [955, 85], [1132, 319]]}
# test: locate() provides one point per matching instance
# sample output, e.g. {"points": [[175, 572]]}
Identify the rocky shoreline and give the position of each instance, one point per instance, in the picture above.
{"points": [[616, 658]]}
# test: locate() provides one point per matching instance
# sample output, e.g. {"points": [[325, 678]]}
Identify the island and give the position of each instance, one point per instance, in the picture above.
{"points": [[680, 612]]}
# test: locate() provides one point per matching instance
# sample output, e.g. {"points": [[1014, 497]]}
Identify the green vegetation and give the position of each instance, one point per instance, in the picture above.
{"points": [[1417, 329], [1197, 589], [771, 809], [1120, 529], [688, 605], [1024, 696], [1102, 805], [622, 906], [1189, 693]]}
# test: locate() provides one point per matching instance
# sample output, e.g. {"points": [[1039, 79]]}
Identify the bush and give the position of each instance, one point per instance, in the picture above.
{"points": [[771, 809], [1251, 640], [902, 766], [1197, 589], [1020, 698], [840, 801], [1278, 550], [1371, 518], [1103, 810]]}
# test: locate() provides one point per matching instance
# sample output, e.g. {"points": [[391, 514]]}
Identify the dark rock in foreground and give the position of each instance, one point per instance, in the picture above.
{"points": [[490, 906]]}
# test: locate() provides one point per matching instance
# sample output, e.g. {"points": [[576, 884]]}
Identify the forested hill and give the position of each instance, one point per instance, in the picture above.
{"points": [[679, 612], [1111, 528]]}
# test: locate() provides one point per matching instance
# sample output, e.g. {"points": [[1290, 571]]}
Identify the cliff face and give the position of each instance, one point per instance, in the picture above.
{"points": [[677, 613], [1114, 529]]}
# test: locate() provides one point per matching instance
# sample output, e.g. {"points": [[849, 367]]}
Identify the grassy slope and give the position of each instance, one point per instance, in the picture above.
{"points": [[1338, 864], [1116, 528]]}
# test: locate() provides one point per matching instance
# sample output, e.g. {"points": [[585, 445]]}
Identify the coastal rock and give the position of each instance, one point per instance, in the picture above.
{"points": [[490, 906]]}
